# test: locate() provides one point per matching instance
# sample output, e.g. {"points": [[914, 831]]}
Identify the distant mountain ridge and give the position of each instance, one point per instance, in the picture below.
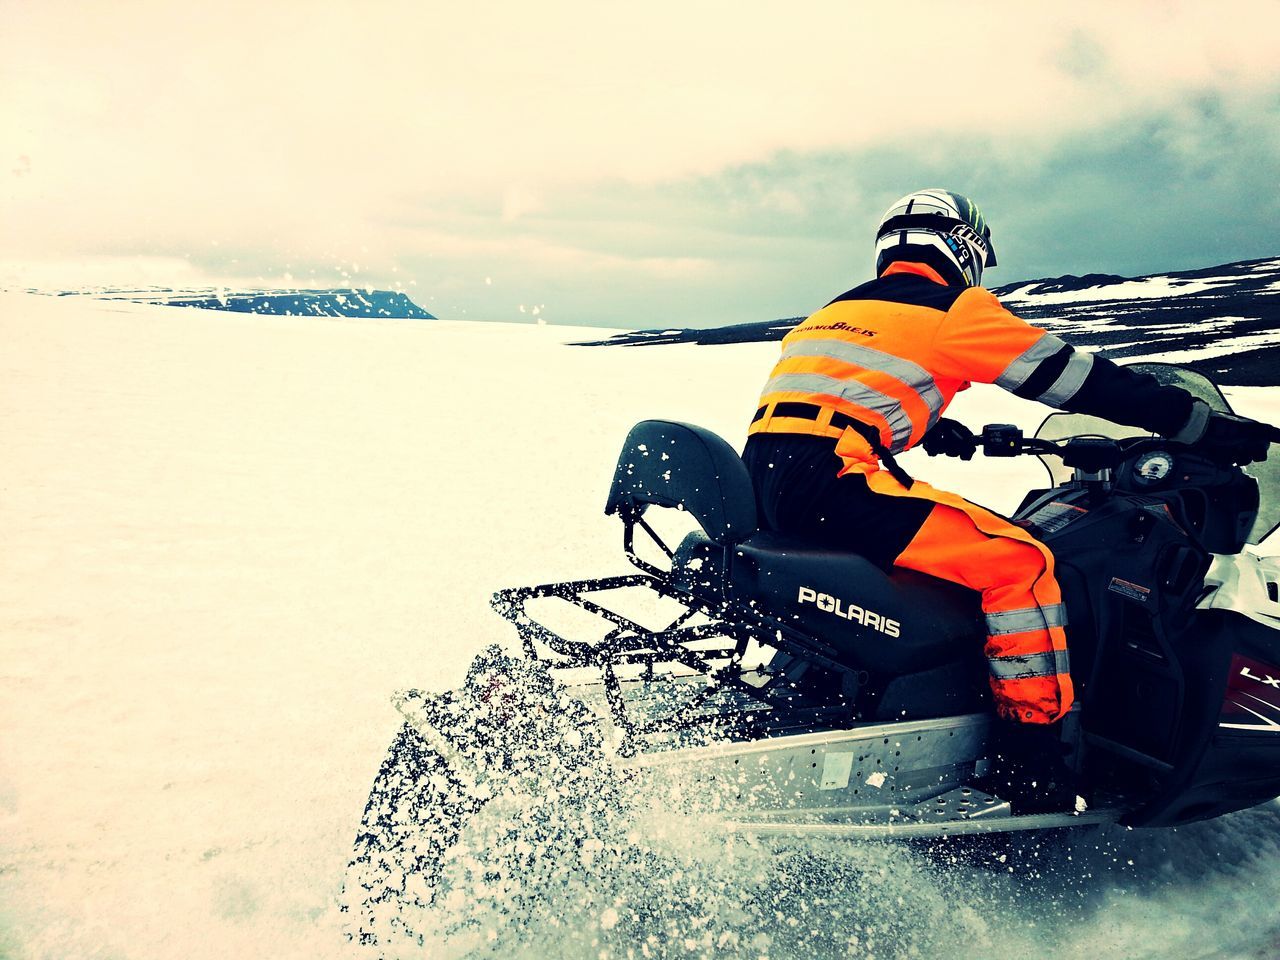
{"points": [[340, 302], [1223, 321]]}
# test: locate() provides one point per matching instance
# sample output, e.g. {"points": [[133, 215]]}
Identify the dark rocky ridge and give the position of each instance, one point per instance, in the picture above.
{"points": [[342, 302]]}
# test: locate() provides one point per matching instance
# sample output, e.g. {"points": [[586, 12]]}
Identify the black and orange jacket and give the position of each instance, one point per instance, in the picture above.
{"points": [[893, 352]]}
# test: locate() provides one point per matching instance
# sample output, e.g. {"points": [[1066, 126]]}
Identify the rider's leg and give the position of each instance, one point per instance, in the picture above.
{"points": [[1026, 645]]}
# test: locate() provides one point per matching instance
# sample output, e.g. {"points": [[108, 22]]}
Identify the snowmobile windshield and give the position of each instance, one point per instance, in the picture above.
{"points": [[1060, 426]]}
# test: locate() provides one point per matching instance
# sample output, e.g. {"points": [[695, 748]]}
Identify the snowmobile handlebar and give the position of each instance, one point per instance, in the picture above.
{"points": [[1006, 440], [1090, 454]]}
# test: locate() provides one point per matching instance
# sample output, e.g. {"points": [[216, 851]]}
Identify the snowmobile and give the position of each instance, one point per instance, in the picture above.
{"points": [[799, 691]]}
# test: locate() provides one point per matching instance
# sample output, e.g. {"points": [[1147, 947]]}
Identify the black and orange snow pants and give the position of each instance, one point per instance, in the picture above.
{"points": [[836, 495]]}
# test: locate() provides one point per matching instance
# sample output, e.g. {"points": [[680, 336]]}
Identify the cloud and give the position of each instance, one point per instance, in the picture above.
{"points": [[1081, 56], [692, 159], [102, 271], [1187, 186]]}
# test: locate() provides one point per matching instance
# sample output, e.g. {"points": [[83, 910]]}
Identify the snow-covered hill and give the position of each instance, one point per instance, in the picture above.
{"points": [[1223, 321], [342, 302], [226, 540]]}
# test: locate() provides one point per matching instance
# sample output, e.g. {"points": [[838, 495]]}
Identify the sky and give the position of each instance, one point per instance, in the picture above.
{"points": [[676, 163]]}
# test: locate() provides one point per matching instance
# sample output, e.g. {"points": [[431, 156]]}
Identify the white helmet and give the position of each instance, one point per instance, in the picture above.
{"points": [[937, 227]]}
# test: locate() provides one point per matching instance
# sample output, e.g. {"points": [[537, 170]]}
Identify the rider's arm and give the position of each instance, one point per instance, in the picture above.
{"points": [[982, 341]]}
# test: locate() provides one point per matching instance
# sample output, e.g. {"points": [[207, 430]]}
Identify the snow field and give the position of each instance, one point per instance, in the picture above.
{"points": [[227, 539]]}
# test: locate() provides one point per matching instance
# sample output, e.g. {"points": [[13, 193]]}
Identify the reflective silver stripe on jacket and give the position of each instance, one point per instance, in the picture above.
{"points": [[1070, 381], [1030, 618], [1016, 373], [911, 375], [1032, 665], [850, 391]]}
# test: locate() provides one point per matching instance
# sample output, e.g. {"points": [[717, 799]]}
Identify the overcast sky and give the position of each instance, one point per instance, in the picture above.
{"points": [[623, 164]]}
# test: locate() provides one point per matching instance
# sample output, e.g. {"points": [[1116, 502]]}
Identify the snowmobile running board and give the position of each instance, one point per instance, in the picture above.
{"points": [[854, 783], [906, 829], [851, 783]]}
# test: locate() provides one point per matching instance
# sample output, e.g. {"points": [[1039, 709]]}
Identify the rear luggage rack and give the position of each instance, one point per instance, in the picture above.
{"points": [[686, 643]]}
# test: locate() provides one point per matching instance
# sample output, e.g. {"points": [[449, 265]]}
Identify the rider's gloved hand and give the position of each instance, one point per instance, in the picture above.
{"points": [[949, 438], [1225, 437]]}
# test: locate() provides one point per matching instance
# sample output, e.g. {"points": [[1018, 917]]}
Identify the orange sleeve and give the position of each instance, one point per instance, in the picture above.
{"points": [[982, 341]]}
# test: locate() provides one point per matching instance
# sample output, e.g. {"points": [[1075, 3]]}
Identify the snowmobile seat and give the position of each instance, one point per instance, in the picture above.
{"points": [[670, 464], [889, 624], [892, 622]]}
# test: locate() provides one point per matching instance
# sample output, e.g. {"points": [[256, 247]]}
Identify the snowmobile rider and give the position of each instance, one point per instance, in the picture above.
{"points": [[868, 377]]}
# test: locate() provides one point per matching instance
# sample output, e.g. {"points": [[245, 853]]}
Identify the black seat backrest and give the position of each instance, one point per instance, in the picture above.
{"points": [[672, 464]]}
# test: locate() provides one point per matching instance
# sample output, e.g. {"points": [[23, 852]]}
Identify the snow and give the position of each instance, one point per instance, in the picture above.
{"points": [[1143, 289], [1203, 328], [1219, 348], [1081, 325], [229, 538]]}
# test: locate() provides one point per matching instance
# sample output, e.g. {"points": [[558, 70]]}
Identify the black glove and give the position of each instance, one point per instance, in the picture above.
{"points": [[1226, 438], [1028, 769], [949, 438]]}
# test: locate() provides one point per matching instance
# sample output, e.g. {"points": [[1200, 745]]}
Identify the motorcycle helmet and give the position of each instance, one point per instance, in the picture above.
{"points": [[945, 230]]}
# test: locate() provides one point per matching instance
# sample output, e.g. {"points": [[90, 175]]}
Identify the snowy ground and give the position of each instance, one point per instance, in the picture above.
{"points": [[228, 539]]}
